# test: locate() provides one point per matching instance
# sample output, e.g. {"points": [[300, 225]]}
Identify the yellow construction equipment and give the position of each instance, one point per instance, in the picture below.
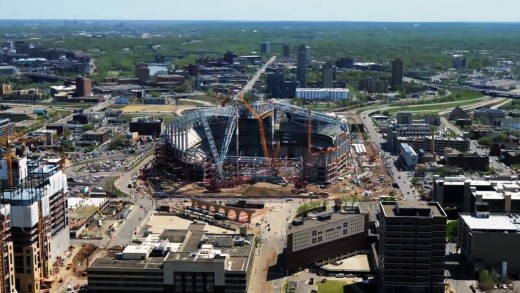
{"points": [[2, 243], [41, 241], [309, 134], [261, 128]]}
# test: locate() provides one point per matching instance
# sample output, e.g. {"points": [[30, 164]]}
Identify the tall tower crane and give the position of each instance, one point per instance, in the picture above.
{"points": [[309, 134], [261, 128]]}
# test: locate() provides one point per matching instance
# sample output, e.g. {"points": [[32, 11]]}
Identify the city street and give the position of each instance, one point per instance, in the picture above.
{"points": [[400, 177], [273, 229]]}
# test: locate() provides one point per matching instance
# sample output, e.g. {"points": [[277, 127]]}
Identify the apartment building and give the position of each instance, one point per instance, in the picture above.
{"points": [[326, 237], [412, 246], [36, 194], [6, 251]]}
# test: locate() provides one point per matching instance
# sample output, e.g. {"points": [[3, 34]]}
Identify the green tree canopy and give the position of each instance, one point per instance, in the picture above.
{"points": [[485, 141]]}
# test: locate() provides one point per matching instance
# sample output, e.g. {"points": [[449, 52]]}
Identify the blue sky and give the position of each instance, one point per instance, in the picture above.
{"points": [[299, 10]]}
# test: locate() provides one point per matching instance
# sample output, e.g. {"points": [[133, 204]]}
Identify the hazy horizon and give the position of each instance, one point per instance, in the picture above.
{"points": [[480, 11]]}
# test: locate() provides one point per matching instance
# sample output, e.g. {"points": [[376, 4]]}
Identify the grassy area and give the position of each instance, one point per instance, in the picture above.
{"points": [[187, 103], [434, 107], [511, 105], [202, 98], [110, 188], [338, 287]]}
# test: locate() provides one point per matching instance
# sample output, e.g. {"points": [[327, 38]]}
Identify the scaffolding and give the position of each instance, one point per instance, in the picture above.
{"points": [[4, 239], [24, 188]]}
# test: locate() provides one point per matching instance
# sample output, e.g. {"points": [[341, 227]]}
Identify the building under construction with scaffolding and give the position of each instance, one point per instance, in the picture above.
{"points": [[33, 222], [270, 141]]}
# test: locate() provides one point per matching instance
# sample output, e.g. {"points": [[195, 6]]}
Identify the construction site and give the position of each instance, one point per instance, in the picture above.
{"points": [[33, 221], [273, 141]]}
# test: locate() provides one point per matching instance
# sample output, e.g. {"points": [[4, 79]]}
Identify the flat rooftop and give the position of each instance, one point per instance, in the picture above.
{"points": [[495, 223], [110, 262], [412, 209], [237, 260], [355, 263], [311, 223]]}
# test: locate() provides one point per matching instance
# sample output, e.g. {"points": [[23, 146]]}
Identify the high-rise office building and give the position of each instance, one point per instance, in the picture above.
{"points": [[229, 57], [308, 53], [327, 75], [276, 84], [301, 71], [458, 61], [344, 62], [83, 87], [265, 48], [397, 73], [286, 51], [412, 246], [373, 85], [142, 72]]}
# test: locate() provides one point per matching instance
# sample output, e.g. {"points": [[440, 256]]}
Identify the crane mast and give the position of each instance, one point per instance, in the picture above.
{"points": [[261, 128]]}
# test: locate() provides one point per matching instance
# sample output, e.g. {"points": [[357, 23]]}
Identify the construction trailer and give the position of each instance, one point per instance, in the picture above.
{"points": [[255, 141]]}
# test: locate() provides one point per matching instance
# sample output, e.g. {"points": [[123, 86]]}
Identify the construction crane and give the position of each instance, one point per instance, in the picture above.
{"points": [[40, 240], [309, 134], [261, 128]]}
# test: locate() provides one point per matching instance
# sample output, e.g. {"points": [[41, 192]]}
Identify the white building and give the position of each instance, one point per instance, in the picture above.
{"points": [[322, 94], [327, 236], [408, 155]]}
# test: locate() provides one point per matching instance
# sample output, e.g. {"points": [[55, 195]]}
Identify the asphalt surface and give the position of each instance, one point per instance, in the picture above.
{"points": [[272, 243]]}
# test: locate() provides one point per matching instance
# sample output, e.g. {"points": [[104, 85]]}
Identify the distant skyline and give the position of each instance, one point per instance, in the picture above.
{"points": [[267, 10]]}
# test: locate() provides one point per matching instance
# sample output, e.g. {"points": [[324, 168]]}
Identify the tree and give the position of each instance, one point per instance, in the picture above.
{"points": [[67, 145], [66, 133], [485, 141], [486, 281], [90, 148], [452, 230], [501, 137], [117, 141], [89, 127], [337, 204]]}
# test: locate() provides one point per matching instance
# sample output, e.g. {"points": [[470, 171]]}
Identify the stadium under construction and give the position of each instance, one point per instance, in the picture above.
{"points": [[270, 141]]}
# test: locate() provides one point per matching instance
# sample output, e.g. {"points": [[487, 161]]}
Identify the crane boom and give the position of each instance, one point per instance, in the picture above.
{"points": [[261, 128], [309, 134]]}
